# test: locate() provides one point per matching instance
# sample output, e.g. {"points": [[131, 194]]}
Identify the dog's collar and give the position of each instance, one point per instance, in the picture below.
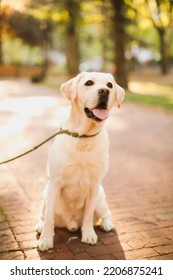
{"points": [[75, 134]]}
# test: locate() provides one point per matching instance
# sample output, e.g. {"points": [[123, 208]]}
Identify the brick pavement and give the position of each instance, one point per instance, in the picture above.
{"points": [[138, 185]]}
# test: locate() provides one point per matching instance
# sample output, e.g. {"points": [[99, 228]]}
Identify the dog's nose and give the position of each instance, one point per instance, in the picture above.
{"points": [[104, 92]]}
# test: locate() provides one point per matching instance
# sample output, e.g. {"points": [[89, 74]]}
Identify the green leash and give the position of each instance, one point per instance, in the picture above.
{"points": [[61, 131]]}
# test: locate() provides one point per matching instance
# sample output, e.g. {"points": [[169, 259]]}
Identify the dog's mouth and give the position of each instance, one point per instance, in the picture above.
{"points": [[98, 114]]}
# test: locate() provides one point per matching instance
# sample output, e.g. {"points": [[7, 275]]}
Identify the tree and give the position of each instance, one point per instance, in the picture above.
{"points": [[33, 32], [120, 37], [161, 14], [65, 14], [72, 36]]}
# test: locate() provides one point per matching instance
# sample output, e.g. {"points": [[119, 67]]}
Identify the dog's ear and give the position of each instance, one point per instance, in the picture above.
{"points": [[119, 92], [68, 89], [119, 95]]}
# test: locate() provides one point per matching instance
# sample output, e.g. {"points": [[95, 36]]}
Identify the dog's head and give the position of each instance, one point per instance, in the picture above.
{"points": [[95, 94]]}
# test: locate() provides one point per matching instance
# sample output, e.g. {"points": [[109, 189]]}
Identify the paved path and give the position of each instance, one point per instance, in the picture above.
{"points": [[139, 184]]}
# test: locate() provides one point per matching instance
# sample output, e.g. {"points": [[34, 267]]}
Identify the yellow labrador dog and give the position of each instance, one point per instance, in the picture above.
{"points": [[74, 197]]}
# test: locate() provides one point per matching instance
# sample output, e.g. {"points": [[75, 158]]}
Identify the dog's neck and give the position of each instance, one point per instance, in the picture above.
{"points": [[80, 123]]}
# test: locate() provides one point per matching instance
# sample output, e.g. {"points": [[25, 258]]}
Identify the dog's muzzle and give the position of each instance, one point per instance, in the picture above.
{"points": [[100, 112]]}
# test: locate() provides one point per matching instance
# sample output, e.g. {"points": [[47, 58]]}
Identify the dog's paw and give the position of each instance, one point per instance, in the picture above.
{"points": [[107, 224], [39, 226], [45, 243], [89, 237]]}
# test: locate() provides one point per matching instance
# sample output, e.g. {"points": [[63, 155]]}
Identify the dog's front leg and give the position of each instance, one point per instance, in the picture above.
{"points": [[88, 233], [47, 235]]}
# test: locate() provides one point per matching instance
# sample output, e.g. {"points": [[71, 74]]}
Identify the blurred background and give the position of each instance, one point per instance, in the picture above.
{"points": [[46, 39]]}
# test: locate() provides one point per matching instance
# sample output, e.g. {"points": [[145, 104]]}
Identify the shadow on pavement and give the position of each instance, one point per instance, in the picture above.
{"points": [[68, 246]]}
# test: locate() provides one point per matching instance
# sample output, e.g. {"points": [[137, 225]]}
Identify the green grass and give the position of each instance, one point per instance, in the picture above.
{"points": [[4, 214], [162, 101], [150, 88], [151, 93]]}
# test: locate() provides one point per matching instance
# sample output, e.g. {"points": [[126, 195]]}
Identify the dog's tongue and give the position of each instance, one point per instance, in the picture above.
{"points": [[102, 114]]}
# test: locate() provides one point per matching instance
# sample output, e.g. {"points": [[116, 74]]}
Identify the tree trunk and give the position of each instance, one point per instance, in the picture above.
{"points": [[72, 53], [104, 33], [119, 37], [163, 51], [72, 44]]}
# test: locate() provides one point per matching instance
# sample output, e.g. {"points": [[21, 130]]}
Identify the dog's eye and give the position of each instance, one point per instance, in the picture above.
{"points": [[110, 85], [89, 83]]}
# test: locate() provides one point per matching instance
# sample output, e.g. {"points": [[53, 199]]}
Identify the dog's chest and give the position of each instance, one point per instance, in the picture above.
{"points": [[84, 167], [82, 146], [77, 182], [80, 172]]}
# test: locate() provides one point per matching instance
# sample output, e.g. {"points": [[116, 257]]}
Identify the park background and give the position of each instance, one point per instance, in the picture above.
{"points": [[42, 44], [51, 37]]}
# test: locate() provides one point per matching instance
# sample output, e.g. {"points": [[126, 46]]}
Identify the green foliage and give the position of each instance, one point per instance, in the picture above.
{"points": [[28, 55], [47, 22], [32, 31]]}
